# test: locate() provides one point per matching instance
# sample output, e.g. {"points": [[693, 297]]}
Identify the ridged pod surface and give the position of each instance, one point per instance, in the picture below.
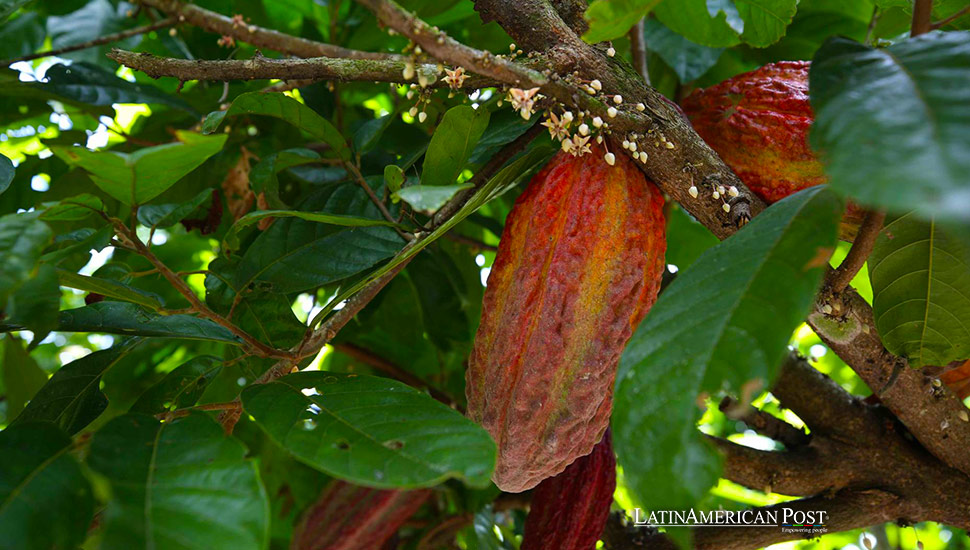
{"points": [[758, 123], [351, 517], [578, 266], [569, 511]]}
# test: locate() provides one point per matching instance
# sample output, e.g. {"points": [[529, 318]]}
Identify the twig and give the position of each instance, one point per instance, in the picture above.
{"points": [[952, 18], [106, 39], [352, 168], [638, 47], [861, 249], [922, 17], [134, 243], [872, 25], [257, 36], [370, 358]]}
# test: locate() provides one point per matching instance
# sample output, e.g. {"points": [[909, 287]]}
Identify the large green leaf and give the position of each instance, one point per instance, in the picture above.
{"points": [[22, 378], [429, 198], [22, 36], [133, 320], [371, 431], [913, 155], [724, 322], [169, 214], [687, 59], [180, 388], [72, 398], [609, 19], [724, 23], [7, 7], [921, 291], [94, 19], [231, 240], [285, 108], [92, 85], [45, 501], [139, 177], [181, 485], [22, 238], [109, 288], [452, 143]]}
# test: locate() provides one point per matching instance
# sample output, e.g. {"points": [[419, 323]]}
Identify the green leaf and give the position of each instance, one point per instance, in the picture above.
{"points": [[687, 239], [687, 59], [180, 388], [133, 320], [609, 19], [722, 323], [231, 240], [452, 143], [724, 23], [139, 177], [285, 108], [22, 238], [72, 398], [45, 501], [7, 171], [109, 288], [369, 134], [72, 209], [429, 198], [22, 378], [36, 303], [263, 176], [371, 431], [393, 178], [167, 215], [920, 277], [95, 19], [913, 156], [22, 36], [92, 85], [179, 485], [7, 7]]}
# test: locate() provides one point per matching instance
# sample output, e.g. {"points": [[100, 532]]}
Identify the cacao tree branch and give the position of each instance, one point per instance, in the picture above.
{"points": [[764, 423], [106, 39], [259, 68], [675, 163], [922, 17], [946, 21], [258, 36], [865, 239]]}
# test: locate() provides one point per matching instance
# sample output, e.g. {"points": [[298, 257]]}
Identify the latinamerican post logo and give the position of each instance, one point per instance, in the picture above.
{"points": [[789, 520]]}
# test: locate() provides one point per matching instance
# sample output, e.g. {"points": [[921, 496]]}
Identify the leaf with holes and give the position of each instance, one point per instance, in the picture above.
{"points": [[371, 431], [920, 276]]}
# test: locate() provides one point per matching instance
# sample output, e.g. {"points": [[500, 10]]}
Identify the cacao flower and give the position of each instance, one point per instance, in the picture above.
{"points": [[578, 266], [351, 517], [758, 123], [569, 511]]}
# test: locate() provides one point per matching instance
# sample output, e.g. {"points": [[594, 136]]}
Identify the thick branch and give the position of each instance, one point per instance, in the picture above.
{"points": [[765, 423], [259, 67], [255, 35], [798, 473]]}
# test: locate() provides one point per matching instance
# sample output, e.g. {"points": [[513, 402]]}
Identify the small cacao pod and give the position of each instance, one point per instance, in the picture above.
{"points": [[569, 511], [578, 266], [351, 517], [758, 123]]}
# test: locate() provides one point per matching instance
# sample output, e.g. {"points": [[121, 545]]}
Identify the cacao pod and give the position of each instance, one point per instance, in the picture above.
{"points": [[758, 123], [351, 517], [569, 511], [577, 268], [958, 380]]}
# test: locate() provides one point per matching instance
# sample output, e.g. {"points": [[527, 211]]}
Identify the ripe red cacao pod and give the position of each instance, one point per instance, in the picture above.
{"points": [[578, 266], [351, 517], [758, 123], [569, 511]]}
